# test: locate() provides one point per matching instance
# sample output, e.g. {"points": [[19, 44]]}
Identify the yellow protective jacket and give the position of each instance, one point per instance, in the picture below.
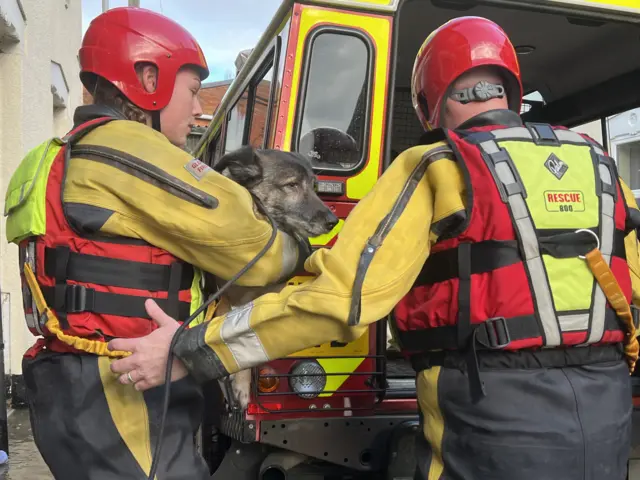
{"points": [[219, 240], [123, 179], [279, 324]]}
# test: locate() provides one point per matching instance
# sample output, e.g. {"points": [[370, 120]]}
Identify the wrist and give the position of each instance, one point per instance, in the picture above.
{"points": [[199, 359]]}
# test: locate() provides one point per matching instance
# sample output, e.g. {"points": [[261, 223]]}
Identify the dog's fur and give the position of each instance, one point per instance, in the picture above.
{"points": [[283, 183]]}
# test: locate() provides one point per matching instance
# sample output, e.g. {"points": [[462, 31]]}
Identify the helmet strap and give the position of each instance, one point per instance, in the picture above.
{"points": [[480, 92], [155, 120]]}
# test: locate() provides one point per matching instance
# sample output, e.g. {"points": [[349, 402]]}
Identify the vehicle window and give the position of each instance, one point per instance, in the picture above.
{"points": [[531, 100], [281, 57], [236, 123], [331, 130], [212, 148], [260, 97]]}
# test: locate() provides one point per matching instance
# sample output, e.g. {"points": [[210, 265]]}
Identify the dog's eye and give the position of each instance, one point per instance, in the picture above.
{"points": [[290, 185]]}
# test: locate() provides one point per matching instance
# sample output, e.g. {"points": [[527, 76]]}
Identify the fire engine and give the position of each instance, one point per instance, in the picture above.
{"points": [[342, 67]]}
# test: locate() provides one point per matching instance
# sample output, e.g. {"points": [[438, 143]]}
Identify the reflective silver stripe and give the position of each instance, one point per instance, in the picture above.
{"points": [[32, 319], [570, 136], [607, 231], [576, 322], [527, 234], [524, 134], [37, 318], [514, 132], [242, 341], [289, 255]]}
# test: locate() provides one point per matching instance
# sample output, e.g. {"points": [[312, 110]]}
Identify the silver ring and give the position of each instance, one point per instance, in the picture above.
{"points": [[594, 235], [129, 377]]}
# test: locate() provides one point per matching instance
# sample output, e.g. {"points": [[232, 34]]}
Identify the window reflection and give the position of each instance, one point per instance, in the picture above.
{"points": [[235, 124], [260, 109], [333, 121]]}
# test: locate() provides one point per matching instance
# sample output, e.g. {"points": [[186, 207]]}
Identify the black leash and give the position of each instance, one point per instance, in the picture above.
{"points": [[167, 378]]}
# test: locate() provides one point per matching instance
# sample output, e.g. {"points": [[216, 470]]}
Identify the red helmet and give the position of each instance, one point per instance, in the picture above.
{"points": [[451, 50], [120, 38]]}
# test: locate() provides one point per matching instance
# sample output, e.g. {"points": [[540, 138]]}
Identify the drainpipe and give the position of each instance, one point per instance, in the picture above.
{"points": [[4, 431], [105, 5]]}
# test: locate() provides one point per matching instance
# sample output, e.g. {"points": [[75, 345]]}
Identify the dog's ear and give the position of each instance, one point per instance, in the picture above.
{"points": [[243, 164]]}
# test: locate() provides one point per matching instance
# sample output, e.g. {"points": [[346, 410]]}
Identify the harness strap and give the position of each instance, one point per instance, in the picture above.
{"points": [[63, 264], [492, 334], [59, 273], [606, 181], [607, 281], [52, 324], [522, 359], [78, 298], [173, 301], [493, 254], [465, 332]]}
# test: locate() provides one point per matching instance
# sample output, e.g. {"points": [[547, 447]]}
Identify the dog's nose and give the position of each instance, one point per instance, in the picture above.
{"points": [[331, 221]]}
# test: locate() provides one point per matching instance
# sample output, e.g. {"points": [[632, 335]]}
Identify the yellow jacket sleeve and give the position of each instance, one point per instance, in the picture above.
{"points": [[631, 246], [148, 189], [298, 317]]}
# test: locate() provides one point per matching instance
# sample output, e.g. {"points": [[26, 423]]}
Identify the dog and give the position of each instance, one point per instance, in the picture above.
{"points": [[284, 184]]}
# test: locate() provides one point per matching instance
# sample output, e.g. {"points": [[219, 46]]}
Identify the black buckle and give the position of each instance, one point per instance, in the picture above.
{"points": [[543, 134], [497, 333], [78, 298]]}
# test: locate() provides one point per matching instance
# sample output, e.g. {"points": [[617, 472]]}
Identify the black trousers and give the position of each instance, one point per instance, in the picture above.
{"points": [[88, 426], [571, 423]]}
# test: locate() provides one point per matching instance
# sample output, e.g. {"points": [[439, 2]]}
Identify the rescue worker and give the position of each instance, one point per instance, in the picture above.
{"points": [[114, 213], [488, 242]]}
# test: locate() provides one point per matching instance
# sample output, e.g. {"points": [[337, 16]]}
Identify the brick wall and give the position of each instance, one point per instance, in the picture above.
{"points": [[210, 97]]}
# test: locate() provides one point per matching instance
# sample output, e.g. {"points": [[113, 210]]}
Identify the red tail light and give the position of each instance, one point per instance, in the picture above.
{"points": [[255, 409]]}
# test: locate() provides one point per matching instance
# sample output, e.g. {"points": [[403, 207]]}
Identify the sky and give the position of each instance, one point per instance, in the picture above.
{"points": [[223, 28]]}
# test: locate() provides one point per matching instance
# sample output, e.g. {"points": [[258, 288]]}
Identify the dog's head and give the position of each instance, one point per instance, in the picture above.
{"points": [[284, 183]]}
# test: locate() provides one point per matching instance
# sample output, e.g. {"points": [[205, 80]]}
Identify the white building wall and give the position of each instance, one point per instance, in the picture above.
{"points": [[44, 31], [593, 129], [624, 146]]}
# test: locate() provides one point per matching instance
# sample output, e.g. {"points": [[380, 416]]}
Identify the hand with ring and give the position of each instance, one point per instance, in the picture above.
{"points": [[146, 367]]}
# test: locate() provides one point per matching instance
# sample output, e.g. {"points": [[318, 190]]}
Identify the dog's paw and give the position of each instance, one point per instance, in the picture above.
{"points": [[241, 387]]}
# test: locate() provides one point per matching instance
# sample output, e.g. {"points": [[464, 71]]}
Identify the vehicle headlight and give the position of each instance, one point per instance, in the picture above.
{"points": [[308, 379]]}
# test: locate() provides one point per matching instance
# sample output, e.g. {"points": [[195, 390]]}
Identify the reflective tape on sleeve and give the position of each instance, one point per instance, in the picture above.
{"points": [[241, 340]]}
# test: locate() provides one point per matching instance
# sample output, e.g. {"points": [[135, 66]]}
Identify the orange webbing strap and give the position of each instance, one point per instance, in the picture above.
{"points": [[618, 301], [53, 324]]}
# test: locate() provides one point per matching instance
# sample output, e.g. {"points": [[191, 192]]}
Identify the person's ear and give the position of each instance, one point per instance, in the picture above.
{"points": [[149, 77]]}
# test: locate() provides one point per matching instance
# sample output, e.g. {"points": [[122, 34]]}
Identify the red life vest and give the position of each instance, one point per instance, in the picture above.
{"points": [[96, 285], [503, 283]]}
